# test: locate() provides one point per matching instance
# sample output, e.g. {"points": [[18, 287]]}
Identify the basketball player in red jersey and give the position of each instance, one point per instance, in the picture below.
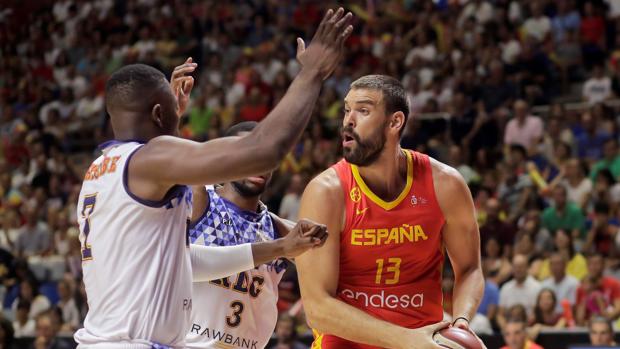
{"points": [[390, 213]]}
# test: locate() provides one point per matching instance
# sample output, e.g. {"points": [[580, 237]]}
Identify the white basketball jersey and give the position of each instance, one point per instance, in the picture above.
{"points": [[135, 259], [238, 311]]}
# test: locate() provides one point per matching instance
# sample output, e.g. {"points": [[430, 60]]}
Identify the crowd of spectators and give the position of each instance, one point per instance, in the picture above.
{"points": [[546, 185]]}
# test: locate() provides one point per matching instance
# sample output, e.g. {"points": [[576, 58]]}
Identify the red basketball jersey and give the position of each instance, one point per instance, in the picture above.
{"points": [[391, 253]]}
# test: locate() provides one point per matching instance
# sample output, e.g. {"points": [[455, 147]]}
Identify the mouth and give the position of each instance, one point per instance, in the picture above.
{"points": [[347, 140], [257, 180]]}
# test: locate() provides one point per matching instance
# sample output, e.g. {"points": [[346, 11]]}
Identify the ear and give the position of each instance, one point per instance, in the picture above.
{"points": [[157, 116], [398, 121]]}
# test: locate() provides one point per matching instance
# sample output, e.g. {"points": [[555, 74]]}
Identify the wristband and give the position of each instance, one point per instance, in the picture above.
{"points": [[460, 317]]}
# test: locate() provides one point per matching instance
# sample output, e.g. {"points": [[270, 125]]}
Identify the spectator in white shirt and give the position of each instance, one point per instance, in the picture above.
{"points": [[481, 10], [23, 325], [598, 87], [564, 286], [538, 26], [522, 289], [90, 105], [524, 129]]}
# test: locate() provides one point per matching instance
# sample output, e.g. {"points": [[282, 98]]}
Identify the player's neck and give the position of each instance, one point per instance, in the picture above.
{"points": [[131, 129], [386, 177], [245, 203]]}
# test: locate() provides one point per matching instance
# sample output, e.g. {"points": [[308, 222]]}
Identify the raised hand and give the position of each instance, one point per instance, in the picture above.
{"points": [[182, 84], [327, 46], [304, 236]]}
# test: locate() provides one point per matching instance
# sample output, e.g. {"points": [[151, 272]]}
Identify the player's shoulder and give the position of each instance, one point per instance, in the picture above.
{"points": [[449, 184], [326, 184], [445, 174]]}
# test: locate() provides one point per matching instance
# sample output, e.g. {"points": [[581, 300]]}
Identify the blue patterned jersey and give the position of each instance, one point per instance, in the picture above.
{"points": [[238, 311]]}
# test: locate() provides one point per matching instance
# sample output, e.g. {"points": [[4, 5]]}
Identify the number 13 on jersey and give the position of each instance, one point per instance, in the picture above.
{"points": [[393, 267], [87, 209]]}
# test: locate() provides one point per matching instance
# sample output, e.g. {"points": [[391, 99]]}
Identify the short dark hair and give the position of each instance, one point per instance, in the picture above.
{"points": [[245, 126], [519, 149], [394, 95], [130, 83], [517, 320]]}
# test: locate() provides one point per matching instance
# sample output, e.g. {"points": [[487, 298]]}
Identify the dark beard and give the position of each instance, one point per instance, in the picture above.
{"points": [[246, 191], [365, 152]]}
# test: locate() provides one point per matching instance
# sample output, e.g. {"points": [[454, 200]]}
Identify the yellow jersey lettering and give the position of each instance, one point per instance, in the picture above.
{"points": [[370, 234], [356, 234], [388, 236], [393, 239], [419, 233], [382, 234], [406, 232]]}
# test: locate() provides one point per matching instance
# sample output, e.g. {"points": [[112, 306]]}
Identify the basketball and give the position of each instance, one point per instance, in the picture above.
{"points": [[456, 338]]}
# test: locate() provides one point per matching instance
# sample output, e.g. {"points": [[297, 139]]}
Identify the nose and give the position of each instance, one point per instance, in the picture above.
{"points": [[349, 119]]}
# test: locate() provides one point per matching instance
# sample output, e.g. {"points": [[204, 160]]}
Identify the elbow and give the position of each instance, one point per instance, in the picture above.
{"points": [[313, 315]]}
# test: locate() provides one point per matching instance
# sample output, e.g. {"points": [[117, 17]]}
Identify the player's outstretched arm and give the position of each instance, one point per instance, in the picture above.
{"points": [[165, 161], [461, 237], [214, 262], [318, 271]]}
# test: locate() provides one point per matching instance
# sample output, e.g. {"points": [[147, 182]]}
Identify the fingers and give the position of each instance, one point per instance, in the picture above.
{"points": [[180, 84], [326, 18], [301, 46], [185, 68], [338, 26], [344, 35], [313, 229], [436, 327], [182, 70], [319, 242], [331, 26], [188, 85]]}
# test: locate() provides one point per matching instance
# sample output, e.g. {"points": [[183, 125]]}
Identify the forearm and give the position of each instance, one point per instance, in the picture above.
{"points": [[284, 125], [468, 291], [214, 262], [264, 252], [326, 315]]}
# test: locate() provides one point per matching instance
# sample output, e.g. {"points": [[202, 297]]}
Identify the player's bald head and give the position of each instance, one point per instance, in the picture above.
{"points": [[131, 88], [140, 103]]}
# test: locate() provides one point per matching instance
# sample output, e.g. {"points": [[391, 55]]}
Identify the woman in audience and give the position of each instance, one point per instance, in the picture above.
{"points": [[544, 311], [563, 243], [28, 291]]}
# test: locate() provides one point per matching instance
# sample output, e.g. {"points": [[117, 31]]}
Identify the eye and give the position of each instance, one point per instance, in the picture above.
{"points": [[364, 111], [346, 110]]}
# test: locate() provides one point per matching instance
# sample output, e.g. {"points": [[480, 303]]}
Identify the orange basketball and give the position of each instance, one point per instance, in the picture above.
{"points": [[456, 338]]}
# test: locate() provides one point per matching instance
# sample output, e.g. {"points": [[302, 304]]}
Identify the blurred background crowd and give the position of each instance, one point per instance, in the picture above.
{"points": [[519, 96]]}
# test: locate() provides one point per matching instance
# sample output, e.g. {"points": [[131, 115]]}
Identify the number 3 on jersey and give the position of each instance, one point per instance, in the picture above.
{"points": [[87, 209], [235, 319]]}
